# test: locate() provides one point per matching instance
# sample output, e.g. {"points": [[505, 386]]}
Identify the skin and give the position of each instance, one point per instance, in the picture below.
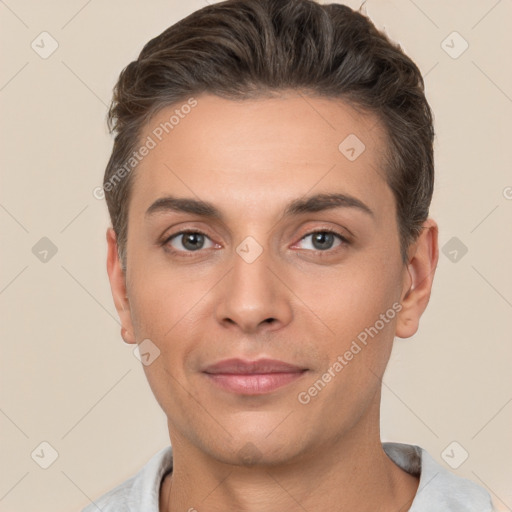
{"points": [[250, 159]]}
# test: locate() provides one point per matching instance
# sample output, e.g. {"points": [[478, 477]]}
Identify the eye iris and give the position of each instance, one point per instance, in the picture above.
{"points": [[196, 239], [321, 239]]}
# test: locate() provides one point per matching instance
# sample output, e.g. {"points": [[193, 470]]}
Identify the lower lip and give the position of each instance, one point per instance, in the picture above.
{"points": [[253, 384]]}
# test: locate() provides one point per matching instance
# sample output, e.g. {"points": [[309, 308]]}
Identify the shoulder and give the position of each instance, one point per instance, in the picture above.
{"points": [[140, 492], [439, 489], [114, 500]]}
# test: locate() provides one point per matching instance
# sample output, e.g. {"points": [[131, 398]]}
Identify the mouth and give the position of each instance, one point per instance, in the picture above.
{"points": [[253, 377]]}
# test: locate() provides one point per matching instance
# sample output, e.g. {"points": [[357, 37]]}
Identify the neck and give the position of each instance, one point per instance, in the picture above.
{"points": [[353, 474]]}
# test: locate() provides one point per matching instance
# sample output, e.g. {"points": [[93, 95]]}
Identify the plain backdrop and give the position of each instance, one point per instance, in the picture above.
{"points": [[68, 380]]}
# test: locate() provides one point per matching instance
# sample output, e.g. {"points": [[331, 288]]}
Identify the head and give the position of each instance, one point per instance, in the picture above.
{"points": [[242, 112]]}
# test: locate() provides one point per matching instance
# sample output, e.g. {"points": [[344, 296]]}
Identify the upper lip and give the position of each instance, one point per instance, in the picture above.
{"points": [[244, 367]]}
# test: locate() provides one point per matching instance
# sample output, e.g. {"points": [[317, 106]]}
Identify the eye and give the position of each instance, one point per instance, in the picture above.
{"points": [[323, 240], [192, 241], [189, 240]]}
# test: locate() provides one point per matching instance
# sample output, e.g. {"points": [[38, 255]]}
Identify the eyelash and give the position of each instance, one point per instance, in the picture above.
{"points": [[343, 239]]}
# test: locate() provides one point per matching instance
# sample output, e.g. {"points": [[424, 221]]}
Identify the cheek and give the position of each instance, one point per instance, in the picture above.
{"points": [[360, 307], [353, 299], [161, 300], [160, 309], [166, 307], [366, 322]]}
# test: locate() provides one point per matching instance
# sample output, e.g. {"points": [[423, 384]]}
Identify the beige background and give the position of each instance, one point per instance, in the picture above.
{"points": [[66, 376]]}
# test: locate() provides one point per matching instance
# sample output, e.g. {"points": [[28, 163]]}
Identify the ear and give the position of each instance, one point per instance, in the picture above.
{"points": [[422, 262], [117, 280]]}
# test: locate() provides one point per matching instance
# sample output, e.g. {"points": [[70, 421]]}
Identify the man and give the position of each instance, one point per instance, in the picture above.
{"points": [[269, 190]]}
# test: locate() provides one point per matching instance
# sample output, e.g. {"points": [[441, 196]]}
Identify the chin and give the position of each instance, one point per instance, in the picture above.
{"points": [[255, 451]]}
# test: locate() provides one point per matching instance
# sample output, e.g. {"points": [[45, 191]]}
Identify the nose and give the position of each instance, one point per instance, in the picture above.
{"points": [[253, 296]]}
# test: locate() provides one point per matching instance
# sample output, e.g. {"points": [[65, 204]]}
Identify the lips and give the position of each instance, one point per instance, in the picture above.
{"points": [[252, 377], [241, 367]]}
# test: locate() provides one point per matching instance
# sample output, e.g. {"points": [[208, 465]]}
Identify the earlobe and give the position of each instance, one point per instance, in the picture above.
{"points": [[117, 280], [423, 257], [127, 336]]}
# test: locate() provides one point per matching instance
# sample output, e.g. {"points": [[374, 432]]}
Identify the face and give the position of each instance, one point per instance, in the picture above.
{"points": [[287, 249]]}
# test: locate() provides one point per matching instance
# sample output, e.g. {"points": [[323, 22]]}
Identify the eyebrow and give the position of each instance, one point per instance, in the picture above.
{"points": [[311, 204]]}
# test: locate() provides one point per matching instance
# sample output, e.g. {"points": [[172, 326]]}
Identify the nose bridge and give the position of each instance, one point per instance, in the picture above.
{"points": [[252, 294]]}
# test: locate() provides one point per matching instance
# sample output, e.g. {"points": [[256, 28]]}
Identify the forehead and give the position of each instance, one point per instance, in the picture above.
{"points": [[266, 151]]}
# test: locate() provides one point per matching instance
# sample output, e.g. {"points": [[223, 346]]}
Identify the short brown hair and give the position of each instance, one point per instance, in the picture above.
{"points": [[243, 49]]}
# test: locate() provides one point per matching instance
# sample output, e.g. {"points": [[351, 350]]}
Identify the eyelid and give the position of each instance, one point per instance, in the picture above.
{"points": [[339, 230]]}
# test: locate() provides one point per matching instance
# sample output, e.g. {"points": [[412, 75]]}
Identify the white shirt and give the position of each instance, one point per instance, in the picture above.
{"points": [[439, 490]]}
